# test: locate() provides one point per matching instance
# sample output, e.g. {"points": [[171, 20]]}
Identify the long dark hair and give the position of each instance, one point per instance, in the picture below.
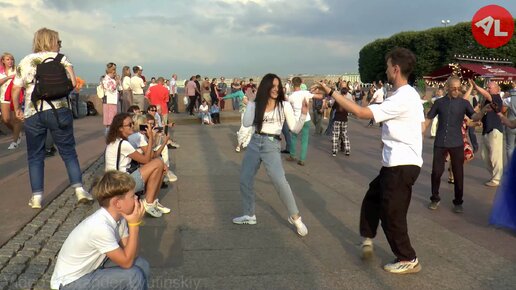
{"points": [[114, 128], [262, 98]]}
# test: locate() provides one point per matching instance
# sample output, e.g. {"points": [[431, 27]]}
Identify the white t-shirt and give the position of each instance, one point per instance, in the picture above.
{"points": [[402, 114], [173, 87], [126, 83], [85, 248], [377, 97], [296, 100], [137, 85], [204, 108], [111, 154], [3, 88], [273, 120]]}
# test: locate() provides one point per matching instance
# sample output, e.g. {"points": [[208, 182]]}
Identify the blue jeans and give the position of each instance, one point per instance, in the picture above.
{"points": [[36, 132], [267, 150], [110, 277]]}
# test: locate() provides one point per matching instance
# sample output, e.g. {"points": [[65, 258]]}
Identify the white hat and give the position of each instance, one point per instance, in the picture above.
{"points": [[140, 67]]}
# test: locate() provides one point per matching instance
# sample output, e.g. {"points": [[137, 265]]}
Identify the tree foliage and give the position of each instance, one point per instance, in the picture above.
{"points": [[433, 48]]}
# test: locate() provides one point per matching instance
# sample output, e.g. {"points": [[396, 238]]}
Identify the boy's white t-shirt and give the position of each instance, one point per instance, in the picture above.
{"points": [[85, 248], [296, 100], [111, 155]]}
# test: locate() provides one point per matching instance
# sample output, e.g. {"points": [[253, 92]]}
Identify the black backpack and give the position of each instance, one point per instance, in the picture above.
{"points": [[51, 82]]}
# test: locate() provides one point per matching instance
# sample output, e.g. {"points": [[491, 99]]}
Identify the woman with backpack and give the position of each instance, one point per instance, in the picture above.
{"points": [[7, 72], [47, 108]]}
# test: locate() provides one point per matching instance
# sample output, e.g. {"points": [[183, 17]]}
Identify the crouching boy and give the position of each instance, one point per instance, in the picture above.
{"points": [[100, 253]]}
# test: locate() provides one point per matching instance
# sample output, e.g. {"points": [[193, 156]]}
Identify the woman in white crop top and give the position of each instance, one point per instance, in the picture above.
{"points": [[267, 114]]}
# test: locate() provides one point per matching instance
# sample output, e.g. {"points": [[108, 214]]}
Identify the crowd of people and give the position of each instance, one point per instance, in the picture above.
{"points": [[103, 249]]}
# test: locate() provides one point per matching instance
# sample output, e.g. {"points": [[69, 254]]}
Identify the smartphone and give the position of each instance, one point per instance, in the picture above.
{"points": [[159, 129], [143, 127]]}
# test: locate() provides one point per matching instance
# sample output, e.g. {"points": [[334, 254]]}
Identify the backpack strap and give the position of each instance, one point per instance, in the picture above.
{"points": [[59, 57], [118, 154]]}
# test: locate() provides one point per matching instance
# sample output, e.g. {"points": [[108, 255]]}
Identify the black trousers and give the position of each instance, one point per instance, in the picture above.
{"points": [[457, 166], [387, 200], [191, 104]]}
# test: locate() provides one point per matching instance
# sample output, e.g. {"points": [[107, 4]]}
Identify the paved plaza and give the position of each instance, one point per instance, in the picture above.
{"points": [[197, 247]]}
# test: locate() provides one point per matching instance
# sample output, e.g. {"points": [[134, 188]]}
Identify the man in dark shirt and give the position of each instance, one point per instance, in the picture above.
{"points": [[492, 145], [450, 111]]}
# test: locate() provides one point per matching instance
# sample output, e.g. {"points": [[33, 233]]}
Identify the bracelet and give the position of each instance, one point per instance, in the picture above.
{"points": [[134, 224], [331, 92]]}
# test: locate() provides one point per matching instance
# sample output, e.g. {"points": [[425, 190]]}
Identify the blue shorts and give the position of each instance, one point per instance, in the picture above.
{"points": [[138, 179]]}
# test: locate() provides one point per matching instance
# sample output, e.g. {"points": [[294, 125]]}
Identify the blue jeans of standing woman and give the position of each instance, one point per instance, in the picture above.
{"points": [[36, 132], [267, 150]]}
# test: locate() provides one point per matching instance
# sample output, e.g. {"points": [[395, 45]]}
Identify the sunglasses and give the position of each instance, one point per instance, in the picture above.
{"points": [[129, 125]]}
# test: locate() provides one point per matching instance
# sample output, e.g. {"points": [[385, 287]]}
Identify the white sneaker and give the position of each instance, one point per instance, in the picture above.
{"points": [[245, 220], [35, 201], [300, 226], [152, 209], [367, 248], [18, 141], [12, 146], [82, 195], [403, 267], [161, 208], [171, 176], [174, 144], [237, 149]]}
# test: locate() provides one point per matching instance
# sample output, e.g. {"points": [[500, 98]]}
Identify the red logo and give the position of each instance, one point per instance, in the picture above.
{"points": [[492, 26]]}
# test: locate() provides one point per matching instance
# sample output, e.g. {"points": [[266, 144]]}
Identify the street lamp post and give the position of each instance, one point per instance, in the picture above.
{"points": [[445, 22]]}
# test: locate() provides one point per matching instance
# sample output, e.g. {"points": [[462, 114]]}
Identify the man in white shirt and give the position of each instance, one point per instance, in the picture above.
{"points": [[137, 84], [438, 94], [389, 194], [296, 100], [101, 252], [377, 98], [173, 94]]}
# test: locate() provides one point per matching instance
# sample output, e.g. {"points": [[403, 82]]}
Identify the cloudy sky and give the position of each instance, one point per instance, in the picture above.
{"points": [[222, 37]]}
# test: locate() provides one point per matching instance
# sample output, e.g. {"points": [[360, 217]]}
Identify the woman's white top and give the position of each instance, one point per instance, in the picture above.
{"points": [[273, 120]]}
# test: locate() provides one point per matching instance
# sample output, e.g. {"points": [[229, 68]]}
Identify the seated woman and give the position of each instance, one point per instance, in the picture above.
{"points": [[204, 113], [119, 154], [139, 140], [215, 112]]}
